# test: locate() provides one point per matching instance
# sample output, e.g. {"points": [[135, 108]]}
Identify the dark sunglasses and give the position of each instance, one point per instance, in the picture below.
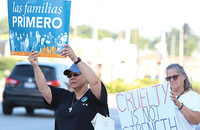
{"points": [[174, 77], [75, 75]]}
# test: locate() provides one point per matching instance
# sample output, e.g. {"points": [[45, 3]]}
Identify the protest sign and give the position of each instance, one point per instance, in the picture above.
{"points": [[148, 108], [42, 25]]}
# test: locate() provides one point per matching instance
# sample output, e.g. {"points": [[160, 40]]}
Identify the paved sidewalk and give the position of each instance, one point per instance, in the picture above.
{"points": [[112, 101]]}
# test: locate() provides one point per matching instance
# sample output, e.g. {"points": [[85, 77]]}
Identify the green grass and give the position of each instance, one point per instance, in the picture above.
{"points": [[1, 74]]}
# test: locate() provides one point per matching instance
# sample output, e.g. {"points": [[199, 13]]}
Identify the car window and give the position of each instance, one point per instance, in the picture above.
{"points": [[23, 70], [49, 72], [27, 71]]}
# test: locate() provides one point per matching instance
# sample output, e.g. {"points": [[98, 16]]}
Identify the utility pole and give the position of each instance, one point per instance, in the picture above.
{"points": [[173, 45], [162, 49], [186, 31], [128, 34], [181, 46], [96, 20], [138, 53]]}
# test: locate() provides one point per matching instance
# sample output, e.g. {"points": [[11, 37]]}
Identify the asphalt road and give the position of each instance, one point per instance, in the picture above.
{"points": [[42, 119]]}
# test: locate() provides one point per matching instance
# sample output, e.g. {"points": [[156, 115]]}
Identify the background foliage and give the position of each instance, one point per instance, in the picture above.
{"points": [[119, 85], [6, 63], [84, 31], [4, 26]]}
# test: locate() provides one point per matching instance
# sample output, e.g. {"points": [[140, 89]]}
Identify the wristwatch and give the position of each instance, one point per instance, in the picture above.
{"points": [[79, 60]]}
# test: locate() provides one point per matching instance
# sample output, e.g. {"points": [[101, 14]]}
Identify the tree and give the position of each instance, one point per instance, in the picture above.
{"points": [[106, 34], [175, 32], [134, 38], [85, 31], [4, 26], [190, 40], [145, 44], [191, 44], [71, 30]]}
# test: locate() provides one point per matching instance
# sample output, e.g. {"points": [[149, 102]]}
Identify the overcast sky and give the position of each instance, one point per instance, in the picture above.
{"points": [[151, 17]]}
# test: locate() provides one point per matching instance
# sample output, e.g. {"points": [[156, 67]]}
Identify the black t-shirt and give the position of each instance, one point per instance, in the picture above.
{"points": [[83, 111]]}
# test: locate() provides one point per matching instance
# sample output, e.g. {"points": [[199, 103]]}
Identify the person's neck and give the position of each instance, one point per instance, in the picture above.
{"points": [[177, 92], [81, 92]]}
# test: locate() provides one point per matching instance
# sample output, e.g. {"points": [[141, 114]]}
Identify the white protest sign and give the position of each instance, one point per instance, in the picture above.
{"points": [[148, 108]]}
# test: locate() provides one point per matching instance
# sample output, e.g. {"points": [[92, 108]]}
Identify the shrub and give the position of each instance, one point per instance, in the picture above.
{"points": [[196, 86], [1, 74], [7, 63], [119, 85]]}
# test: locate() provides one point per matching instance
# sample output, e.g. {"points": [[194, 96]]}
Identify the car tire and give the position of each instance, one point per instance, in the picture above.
{"points": [[29, 110], [7, 109]]}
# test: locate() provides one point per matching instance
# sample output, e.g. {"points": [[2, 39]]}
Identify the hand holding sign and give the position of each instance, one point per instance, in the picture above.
{"points": [[176, 101], [33, 58], [68, 51]]}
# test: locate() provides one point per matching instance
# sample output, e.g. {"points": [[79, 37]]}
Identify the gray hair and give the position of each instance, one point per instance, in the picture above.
{"points": [[181, 71]]}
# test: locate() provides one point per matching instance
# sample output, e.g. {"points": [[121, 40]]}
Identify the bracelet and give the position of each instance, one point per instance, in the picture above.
{"points": [[181, 106], [78, 60]]}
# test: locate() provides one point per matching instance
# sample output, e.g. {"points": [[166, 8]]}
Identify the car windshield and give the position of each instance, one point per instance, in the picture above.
{"points": [[27, 71]]}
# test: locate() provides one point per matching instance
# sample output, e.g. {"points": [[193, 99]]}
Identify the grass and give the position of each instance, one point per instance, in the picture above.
{"points": [[1, 74]]}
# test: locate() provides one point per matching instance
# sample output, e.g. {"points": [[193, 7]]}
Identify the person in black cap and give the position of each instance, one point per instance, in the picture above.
{"points": [[74, 110]]}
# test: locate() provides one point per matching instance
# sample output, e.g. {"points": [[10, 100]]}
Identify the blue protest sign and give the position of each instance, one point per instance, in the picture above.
{"points": [[42, 25]]}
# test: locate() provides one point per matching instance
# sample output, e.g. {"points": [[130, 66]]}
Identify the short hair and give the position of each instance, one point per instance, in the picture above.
{"points": [[181, 71]]}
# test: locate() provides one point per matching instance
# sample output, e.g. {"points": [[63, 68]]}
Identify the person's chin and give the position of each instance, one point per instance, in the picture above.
{"points": [[174, 87], [74, 86]]}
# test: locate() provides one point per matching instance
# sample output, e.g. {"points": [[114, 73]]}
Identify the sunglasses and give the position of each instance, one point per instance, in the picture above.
{"points": [[75, 75], [174, 77]]}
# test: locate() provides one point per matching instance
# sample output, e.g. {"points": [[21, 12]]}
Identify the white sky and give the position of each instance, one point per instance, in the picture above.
{"points": [[151, 17]]}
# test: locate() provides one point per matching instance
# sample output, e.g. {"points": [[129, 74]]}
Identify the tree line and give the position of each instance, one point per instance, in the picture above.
{"points": [[191, 41]]}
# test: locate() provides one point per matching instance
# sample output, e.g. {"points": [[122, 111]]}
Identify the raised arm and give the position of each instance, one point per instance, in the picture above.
{"points": [[88, 73], [39, 77]]}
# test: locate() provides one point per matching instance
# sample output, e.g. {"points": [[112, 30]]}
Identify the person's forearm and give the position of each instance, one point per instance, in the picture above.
{"points": [[88, 73], [192, 116], [92, 79], [40, 79]]}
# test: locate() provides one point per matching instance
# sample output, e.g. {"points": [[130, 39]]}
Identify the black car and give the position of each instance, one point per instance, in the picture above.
{"points": [[21, 89]]}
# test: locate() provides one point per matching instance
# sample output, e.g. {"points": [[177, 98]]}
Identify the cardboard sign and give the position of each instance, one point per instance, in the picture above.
{"points": [[148, 108], [42, 25]]}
